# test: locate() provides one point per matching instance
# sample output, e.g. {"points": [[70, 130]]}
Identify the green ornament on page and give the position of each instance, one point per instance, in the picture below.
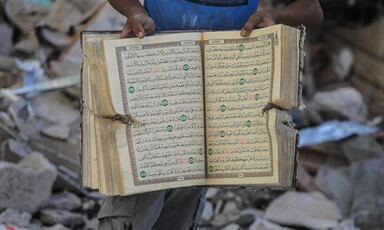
{"points": [[186, 67], [164, 102], [210, 169], [248, 124], [191, 160], [210, 151], [222, 134], [169, 128], [183, 118], [242, 81], [223, 108], [143, 174], [131, 89], [241, 47], [255, 71], [201, 151], [257, 96]]}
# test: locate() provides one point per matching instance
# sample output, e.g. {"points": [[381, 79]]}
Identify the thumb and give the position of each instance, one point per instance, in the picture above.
{"points": [[250, 24]]}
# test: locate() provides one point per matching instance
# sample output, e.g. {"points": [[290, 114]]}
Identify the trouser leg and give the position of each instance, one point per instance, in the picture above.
{"points": [[182, 209]]}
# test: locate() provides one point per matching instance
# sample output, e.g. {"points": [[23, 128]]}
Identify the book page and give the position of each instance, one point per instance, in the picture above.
{"points": [[240, 74], [157, 81]]}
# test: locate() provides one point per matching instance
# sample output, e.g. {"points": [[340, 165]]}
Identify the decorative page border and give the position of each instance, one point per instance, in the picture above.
{"points": [[135, 174], [272, 37]]}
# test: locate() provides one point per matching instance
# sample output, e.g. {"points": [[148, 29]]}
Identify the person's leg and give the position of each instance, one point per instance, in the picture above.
{"points": [[182, 209], [136, 212]]}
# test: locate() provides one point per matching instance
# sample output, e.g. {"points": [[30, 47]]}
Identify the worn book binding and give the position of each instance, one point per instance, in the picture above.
{"points": [[190, 109]]}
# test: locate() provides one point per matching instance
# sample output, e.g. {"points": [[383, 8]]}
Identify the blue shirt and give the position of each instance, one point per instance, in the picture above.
{"points": [[200, 14]]}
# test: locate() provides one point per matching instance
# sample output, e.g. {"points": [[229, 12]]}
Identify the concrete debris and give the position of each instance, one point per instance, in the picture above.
{"points": [[27, 185], [208, 211], [231, 226], [312, 210], [6, 33], [337, 186], [14, 217], [64, 200], [367, 208], [57, 131], [360, 148], [56, 227], [12, 151], [212, 192], [342, 103], [262, 224], [25, 14], [56, 216]]}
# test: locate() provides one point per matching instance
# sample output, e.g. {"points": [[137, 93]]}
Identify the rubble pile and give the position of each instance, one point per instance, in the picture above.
{"points": [[341, 158]]}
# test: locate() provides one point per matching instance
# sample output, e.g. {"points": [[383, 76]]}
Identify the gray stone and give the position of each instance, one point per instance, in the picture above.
{"points": [[231, 226], [368, 200], [11, 227], [346, 102], [57, 227], [346, 225], [64, 200], [312, 210], [14, 217], [262, 224], [337, 186], [91, 224], [212, 192], [219, 206], [245, 220], [361, 148], [56, 216], [57, 131], [208, 211], [230, 207], [27, 185]]}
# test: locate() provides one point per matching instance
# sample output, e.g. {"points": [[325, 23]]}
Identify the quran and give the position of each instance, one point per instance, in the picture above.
{"points": [[190, 109]]}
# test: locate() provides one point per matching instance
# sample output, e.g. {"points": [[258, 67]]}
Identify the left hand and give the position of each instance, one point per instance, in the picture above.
{"points": [[258, 19]]}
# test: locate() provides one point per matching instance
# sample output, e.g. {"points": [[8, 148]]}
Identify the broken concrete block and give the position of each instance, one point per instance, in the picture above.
{"points": [[10, 72], [359, 148], [341, 103], [64, 200], [57, 227], [368, 201], [57, 216], [337, 186], [312, 210], [262, 224], [15, 217], [6, 33], [57, 131], [12, 151], [25, 14], [27, 185], [232, 226]]}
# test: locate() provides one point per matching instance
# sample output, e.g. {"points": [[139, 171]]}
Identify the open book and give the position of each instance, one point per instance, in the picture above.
{"points": [[189, 109]]}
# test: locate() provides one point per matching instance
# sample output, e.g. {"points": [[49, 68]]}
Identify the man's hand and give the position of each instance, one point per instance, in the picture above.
{"points": [[138, 21], [258, 19], [299, 12], [138, 24]]}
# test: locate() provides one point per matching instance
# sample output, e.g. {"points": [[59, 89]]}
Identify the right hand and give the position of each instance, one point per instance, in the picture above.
{"points": [[138, 24]]}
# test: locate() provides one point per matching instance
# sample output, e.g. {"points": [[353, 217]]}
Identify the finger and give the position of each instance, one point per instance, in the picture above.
{"points": [[250, 24], [136, 26], [266, 23], [149, 27], [127, 31]]}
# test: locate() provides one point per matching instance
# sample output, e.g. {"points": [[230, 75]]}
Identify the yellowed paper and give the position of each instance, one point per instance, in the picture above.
{"points": [[240, 74], [161, 90]]}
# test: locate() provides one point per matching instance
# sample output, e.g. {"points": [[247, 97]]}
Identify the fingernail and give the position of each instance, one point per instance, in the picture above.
{"points": [[243, 33], [140, 35]]}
